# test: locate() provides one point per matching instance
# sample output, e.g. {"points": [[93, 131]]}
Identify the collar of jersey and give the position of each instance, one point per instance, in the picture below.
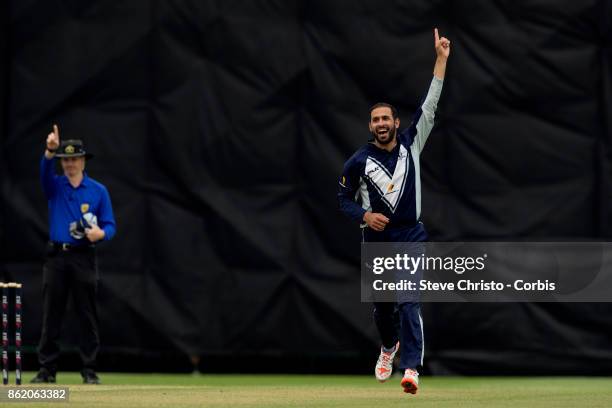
{"points": [[84, 183], [379, 149]]}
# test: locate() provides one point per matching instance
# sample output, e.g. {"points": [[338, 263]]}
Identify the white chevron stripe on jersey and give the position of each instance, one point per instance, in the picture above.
{"points": [[389, 187]]}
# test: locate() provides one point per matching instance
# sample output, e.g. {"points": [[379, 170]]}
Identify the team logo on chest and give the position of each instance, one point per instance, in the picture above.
{"points": [[389, 186], [84, 208]]}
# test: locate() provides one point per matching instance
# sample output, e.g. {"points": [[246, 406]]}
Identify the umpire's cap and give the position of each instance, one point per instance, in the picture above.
{"points": [[72, 148]]}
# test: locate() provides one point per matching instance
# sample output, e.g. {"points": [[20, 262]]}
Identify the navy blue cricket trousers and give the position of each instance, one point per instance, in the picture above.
{"points": [[400, 320]]}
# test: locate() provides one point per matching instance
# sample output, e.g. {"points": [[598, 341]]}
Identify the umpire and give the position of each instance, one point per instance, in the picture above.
{"points": [[80, 216]]}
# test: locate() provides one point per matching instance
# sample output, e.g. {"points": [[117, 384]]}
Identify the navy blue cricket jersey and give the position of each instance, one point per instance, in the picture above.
{"points": [[69, 205], [385, 182]]}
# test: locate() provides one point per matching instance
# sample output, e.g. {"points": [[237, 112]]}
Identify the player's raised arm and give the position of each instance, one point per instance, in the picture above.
{"points": [[424, 121]]}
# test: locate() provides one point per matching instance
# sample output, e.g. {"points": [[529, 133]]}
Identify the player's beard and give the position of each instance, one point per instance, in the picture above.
{"points": [[386, 138]]}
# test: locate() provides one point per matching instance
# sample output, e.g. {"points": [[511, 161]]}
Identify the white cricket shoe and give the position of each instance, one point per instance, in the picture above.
{"points": [[410, 382], [384, 365]]}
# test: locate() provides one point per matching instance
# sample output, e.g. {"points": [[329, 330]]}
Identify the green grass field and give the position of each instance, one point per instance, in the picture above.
{"points": [[162, 390]]}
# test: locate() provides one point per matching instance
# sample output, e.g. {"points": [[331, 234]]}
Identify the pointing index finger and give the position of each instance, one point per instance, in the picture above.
{"points": [[56, 130], [436, 35]]}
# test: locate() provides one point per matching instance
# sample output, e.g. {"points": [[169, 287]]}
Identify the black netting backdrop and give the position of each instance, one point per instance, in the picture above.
{"points": [[220, 128]]}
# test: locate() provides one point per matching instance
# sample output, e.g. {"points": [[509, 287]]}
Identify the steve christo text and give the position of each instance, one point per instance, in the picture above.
{"points": [[464, 285]]}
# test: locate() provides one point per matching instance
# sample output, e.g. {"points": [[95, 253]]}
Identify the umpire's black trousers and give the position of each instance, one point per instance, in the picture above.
{"points": [[69, 271]]}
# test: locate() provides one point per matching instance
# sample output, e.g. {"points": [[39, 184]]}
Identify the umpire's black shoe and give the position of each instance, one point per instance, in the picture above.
{"points": [[90, 377], [43, 376]]}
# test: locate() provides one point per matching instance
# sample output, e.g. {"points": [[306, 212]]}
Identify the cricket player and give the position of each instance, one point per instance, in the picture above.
{"points": [[380, 188]]}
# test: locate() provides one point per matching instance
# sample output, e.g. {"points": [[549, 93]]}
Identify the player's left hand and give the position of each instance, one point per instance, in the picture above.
{"points": [[94, 233], [442, 45]]}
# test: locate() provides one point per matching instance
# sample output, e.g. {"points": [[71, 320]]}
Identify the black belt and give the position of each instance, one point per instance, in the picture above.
{"points": [[64, 247]]}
